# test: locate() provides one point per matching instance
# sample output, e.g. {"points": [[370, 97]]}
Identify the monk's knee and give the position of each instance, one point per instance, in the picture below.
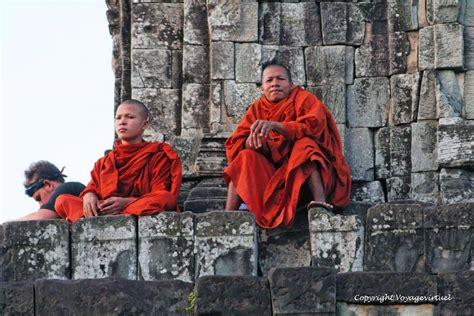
{"points": [[250, 154]]}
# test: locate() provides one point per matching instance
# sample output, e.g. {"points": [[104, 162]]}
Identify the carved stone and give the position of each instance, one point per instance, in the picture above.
{"points": [[456, 185], [455, 144], [398, 188], [457, 290]]}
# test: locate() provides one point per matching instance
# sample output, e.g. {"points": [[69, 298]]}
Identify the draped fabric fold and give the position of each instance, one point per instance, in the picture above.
{"points": [[148, 171], [270, 185]]}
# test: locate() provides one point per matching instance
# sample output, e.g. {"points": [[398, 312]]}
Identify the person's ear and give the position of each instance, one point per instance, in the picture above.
{"points": [[261, 89], [48, 185], [145, 125]]}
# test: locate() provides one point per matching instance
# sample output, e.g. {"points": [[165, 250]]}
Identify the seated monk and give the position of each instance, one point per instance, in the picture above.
{"points": [[44, 182], [286, 139], [136, 177]]}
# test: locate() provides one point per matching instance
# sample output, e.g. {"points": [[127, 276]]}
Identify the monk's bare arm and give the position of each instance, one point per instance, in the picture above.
{"points": [[39, 215]]}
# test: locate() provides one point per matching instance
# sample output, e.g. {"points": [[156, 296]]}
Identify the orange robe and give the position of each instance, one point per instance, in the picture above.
{"points": [[148, 171], [270, 184]]}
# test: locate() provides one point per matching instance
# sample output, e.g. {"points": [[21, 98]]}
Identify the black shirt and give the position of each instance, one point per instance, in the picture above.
{"points": [[73, 188]]}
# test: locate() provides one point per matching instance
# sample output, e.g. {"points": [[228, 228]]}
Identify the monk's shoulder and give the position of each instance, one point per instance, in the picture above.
{"points": [[165, 150]]}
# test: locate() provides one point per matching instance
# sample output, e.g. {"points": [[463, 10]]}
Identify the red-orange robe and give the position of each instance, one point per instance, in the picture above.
{"points": [[270, 185], [148, 171]]}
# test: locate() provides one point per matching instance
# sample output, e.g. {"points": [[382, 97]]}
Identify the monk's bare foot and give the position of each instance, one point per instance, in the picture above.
{"points": [[321, 205]]}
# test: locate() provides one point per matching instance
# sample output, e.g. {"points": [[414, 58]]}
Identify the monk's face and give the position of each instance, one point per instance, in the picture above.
{"points": [[130, 123], [276, 85]]}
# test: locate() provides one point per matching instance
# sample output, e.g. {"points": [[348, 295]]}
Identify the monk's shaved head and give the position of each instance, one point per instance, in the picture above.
{"points": [[141, 107], [274, 64]]}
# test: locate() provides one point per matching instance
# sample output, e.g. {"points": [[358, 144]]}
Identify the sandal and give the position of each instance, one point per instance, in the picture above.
{"points": [[326, 206]]}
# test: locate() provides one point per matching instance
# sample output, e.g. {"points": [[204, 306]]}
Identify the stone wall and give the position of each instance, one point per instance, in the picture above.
{"points": [[397, 76]]}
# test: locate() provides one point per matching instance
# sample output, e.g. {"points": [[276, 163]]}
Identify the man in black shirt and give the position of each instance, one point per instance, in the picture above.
{"points": [[44, 182]]}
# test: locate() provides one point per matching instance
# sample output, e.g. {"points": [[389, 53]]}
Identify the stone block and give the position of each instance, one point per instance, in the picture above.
{"points": [[425, 187], [448, 94], [238, 97], [151, 68], [329, 64], [456, 185], [176, 69], [195, 110], [195, 64], [439, 11], [293, 59], [336, 241], [400, 150], [157, 25], [211, 161], [394, 238], [367, 102], [469, 95], [270, 53], [382, 153], [357, 208], [469, 47], [466, 15], [449, 233], [457, 292], [111, 296], [385, 287], [222, 56], [17, 298], [163, 105], [369, 192], [455, 144], [269, 23], [333, 95], [248, 58], [399, 48], [300, 24], [412, 58], [449, 46], [31, 250], [285, 246], [404, 99], [427, 107], [225, 244], [342, 23], [232, 295], [166, 246], [359, 153], [372, 59], [402, 15], [341, 128], [235, 21], [103, 247], [195, 18], [398, 188], [187, 148], [207, 197], [307, 291], [424, 146], [427, 48], [396, 309]]}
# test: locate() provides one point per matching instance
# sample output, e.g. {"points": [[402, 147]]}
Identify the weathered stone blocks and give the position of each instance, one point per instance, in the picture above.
{"points": [[222, 56], [151, 68], [458, 293], [456, 185], [329, 64], [238, 97], [232, 295], [195, 113], [469, 47], [103, 247], [166, 246], [31, 250], [455, 144], [382, 153], [333, 95], [111, 296], [424, 187], [369, 192], [394, 238], [469, 95], [195, 22], [399, 48], [285, 246], [303, 290], [424, 146], [195, 64], [17, 298], [372, 59], [269, 23], [157, 25], [427, 49], [402, 15], [225, 244], [208, 195], [427, 107], [359, 153], [293, 59], [441, 47], [367, 102], [448, 94], [404, 98], [248, 58], [300, 24], [400, 150], [395, 309], [342, 23], [438, 11], [449, 233], [398, 188], [336, 241]]}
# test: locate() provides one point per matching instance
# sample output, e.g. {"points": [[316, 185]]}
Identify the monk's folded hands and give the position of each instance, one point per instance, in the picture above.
{"points": [[90, 204], [113, 205]]}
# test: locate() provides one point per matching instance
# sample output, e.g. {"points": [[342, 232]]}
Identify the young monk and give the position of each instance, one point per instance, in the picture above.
{"points": [[136, 177], [285, 140]]}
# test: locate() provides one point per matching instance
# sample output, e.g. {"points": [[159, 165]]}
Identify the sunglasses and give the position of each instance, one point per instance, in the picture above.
{"points": [[35, 186]]}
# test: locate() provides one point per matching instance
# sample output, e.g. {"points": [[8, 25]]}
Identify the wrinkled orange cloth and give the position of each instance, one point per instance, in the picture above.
{"points": [[270, 185], [148, 171]]}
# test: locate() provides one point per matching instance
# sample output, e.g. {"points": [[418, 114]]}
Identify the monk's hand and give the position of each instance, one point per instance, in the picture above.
{"points": [[113, 205], [90, 203]]}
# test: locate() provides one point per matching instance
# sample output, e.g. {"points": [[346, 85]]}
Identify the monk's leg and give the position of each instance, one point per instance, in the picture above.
{"points": [[233, 200], [69, 207], [315, 184]]}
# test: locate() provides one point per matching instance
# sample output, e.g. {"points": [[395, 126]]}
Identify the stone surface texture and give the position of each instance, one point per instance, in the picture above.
{"points": [[17, 298]]}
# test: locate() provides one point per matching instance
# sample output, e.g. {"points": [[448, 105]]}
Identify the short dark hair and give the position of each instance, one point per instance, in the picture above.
{"points": [[143, 109], [273, 63], [43, 170]]}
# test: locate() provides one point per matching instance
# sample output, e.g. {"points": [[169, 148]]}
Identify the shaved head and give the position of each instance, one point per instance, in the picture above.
{"points": [[143, 110]]}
